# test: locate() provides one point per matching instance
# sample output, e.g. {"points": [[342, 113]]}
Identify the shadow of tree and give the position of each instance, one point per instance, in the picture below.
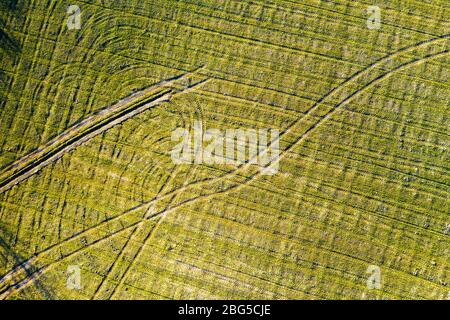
{"points": [[8, 43], [10, 48], [18, 259], [9, 4]]}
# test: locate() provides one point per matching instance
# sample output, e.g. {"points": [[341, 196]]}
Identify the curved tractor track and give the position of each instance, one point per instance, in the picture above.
{"points": [[317, 114], [94, 125]]}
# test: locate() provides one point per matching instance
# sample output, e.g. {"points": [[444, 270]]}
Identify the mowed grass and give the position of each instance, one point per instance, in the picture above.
{"points": [[364, 170]]}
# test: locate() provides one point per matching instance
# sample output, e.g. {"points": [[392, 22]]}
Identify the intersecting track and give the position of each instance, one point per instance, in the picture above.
{"points": [[324, 107], [318, 113]]}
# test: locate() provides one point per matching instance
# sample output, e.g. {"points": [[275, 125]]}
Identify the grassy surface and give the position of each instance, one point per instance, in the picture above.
{"points": [[364, 170]]}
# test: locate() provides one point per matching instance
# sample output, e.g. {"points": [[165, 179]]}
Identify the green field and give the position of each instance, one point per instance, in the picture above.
{"points": [[87, 179]]}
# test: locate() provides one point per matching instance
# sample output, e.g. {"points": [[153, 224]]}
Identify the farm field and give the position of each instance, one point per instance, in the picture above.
{"points": [[93, 205]]}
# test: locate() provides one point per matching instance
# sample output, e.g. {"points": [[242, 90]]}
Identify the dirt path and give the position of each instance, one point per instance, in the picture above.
{"points": [[91, 127]]}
